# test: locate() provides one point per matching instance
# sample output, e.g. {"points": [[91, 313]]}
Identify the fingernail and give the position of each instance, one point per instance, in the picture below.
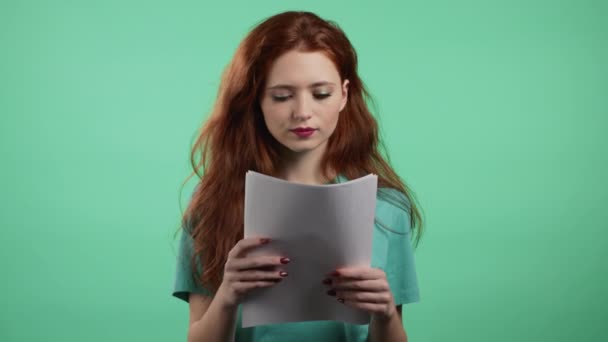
{"points": [[331, 292], [334, 274], [285, 260], [327, 281], [340, 300], [283, 274], [264, 240]]}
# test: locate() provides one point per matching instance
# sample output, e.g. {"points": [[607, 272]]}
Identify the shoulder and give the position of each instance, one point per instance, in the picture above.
{"points": [[391, 193], [393, 209], [393, 199]]}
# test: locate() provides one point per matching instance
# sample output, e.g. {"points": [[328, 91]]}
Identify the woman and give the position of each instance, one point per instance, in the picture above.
{"points": [[291, 105]]}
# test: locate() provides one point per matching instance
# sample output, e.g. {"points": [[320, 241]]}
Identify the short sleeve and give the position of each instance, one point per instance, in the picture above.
{"points": [[184, 281], [401, 263]]}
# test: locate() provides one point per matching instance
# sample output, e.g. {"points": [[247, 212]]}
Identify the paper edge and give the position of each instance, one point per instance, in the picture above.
{"points": [[279, 180]]}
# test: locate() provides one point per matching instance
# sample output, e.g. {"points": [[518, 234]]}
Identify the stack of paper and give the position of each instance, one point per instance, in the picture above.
{"points": [[320, 228]]}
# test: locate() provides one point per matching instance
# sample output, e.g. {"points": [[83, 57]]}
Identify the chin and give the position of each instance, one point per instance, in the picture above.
{"points": [[298, 149], [303, 146], [298, 146]]}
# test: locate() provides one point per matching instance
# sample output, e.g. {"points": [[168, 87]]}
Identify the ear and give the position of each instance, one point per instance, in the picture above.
{"points": [[344, 94]]}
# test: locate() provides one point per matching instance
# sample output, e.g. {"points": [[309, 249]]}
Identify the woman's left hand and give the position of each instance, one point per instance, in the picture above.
{"points": [[364, 288]]}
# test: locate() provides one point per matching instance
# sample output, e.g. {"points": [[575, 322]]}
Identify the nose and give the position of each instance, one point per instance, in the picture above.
{"points": [[302, 110]]}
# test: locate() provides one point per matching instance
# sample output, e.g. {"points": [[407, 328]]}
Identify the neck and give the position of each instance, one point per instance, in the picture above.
{"points": [[304, 167]]}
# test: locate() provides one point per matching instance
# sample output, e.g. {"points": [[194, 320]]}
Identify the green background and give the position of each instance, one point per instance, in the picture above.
{"points": [[494, 112]]}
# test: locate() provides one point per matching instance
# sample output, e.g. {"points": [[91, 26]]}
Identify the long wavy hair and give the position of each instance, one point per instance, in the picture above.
{"points": [[235, 139]]}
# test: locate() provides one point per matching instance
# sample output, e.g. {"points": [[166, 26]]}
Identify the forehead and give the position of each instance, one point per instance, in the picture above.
{"points": [[302, 69]]}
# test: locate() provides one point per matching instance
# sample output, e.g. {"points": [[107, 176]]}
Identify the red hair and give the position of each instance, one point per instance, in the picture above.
{"points": [[234, 139]]}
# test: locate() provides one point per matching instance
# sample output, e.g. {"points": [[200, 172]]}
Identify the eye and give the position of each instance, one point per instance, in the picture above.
{"points": [[318, 96], [322, 96], [280, 98]]}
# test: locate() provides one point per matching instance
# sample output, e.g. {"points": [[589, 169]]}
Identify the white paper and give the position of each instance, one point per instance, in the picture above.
{"points": [[320, 228]]}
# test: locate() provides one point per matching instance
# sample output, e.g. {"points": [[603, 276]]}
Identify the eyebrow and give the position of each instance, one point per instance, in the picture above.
{"points": [[287, 86]]}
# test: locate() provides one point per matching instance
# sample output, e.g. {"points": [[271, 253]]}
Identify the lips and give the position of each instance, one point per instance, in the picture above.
{"points": [[304, 132], [303, 129]]}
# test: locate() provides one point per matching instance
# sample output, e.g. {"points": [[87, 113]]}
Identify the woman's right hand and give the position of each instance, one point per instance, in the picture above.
{"points": [[243, 273]]}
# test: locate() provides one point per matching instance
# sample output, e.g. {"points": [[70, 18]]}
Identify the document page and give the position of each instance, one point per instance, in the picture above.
{"points": [[320, 228]]}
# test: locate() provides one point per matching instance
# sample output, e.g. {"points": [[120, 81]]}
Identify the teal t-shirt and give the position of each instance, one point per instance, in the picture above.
{"points": [[391, 252]]}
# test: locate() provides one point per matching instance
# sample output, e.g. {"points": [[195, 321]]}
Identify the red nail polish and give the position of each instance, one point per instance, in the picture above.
{"points": [[335, 274], [264, 240], [285, 260]]}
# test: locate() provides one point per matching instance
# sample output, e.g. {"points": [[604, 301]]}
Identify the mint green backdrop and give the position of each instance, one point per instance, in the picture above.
{"points": [[494, 112]]}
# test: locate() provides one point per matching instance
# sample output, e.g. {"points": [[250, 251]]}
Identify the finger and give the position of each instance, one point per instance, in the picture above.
{"points": [[260, 275], [242, 287], [268, 262], [267, 268], [374, 285], [243, 245], [364, 297], [357, 273]]}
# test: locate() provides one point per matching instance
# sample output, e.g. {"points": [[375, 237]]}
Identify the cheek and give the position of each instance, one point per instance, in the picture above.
{"points": [[272, 118], [332, 111]]}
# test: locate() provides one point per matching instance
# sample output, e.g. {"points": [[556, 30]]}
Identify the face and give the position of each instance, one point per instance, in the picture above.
{"points": [[303, 91]]}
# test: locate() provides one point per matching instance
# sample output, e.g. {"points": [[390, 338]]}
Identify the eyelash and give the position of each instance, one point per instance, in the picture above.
{"points": [[284, 98]]}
